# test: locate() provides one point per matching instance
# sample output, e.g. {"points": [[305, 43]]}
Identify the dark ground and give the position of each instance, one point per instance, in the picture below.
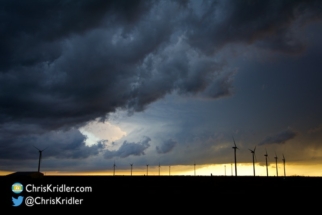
{"points": [[131, 191]]}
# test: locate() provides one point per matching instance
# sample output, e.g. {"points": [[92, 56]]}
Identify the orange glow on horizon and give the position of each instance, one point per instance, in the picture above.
{"points": [[201, 170]]}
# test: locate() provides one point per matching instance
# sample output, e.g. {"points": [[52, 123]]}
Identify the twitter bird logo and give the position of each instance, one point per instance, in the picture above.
{"points": [[17, 201]]}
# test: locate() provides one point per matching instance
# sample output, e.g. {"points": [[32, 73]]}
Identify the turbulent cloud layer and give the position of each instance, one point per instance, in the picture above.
{"points": [[57, 144], [166, 146], [68, 63], [279, 138], [128, 148]]}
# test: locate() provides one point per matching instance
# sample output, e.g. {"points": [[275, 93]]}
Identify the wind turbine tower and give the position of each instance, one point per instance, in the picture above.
{"points": [[40, 156], [195, 168], [253, 152], [159, 169], [284, 165], [114, 169], [231, 169], [266, 163], [276, 164], [131, 168], [147, 169], [235, 147]]}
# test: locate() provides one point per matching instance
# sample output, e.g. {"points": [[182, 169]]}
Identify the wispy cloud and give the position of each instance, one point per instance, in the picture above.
{"points": [[166, 146], [279, 138], [315, 130], [129, 148]]}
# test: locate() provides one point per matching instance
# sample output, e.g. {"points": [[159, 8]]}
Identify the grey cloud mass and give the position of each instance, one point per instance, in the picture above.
{"points": [[166, 146], [269, 24], [66, 63], [128, 148], [61, 144], [69, 63], [279, 138]]}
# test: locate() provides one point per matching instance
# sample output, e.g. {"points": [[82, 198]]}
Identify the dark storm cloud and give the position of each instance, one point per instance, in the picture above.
{"points": [[99, 71], [66, 63], [279, 138], [36, 36], [29, 28], [128, 148], [166, 146], [221, 87], [269, 24], [20, 142]]}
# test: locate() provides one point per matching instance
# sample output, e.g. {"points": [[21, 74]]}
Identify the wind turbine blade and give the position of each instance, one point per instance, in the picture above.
{"points": [[234, 141], [255, 149], [36, 147]]}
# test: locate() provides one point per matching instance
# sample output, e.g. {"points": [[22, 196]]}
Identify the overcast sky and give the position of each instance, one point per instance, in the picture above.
{"points": [[149, 82]]}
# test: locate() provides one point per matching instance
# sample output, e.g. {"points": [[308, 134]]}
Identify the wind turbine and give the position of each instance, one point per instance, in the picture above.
{"points": [[284, 165], [40, 155], [131, 168], [253, 152], [266, 162], [231, 169], [235, 147], [169, 170], [147, 169], [276, 164], [159, 169], [114, 169], [195, 168]]}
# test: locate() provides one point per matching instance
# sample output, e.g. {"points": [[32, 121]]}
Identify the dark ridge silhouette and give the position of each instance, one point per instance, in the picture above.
{"points": [[210, 183], [157, 187], [25, 175]]}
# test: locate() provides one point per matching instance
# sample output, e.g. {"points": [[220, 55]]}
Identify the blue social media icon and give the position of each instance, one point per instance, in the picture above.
{"points": [[17, 188], [17, 201]]}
